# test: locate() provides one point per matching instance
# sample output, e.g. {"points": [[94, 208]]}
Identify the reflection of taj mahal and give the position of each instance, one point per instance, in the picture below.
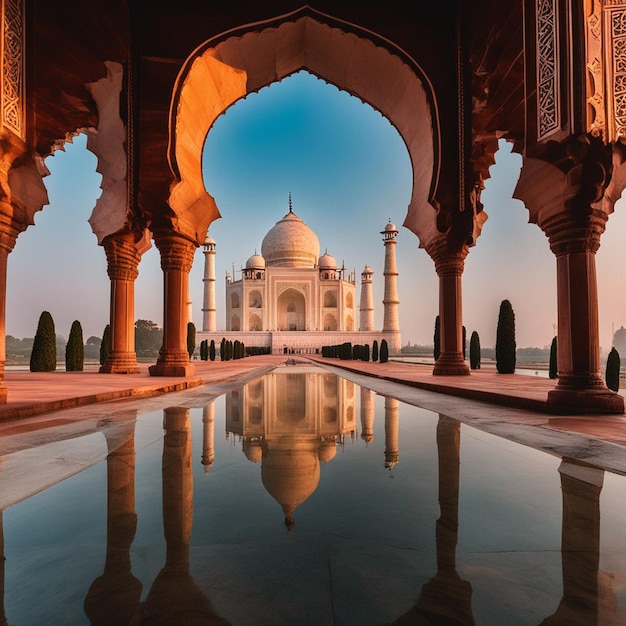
{"points": [[290, 297]]}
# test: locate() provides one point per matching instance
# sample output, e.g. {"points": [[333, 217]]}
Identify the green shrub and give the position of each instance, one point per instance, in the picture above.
{"points": [[553, 367], [505, 339], [43, 357], [191, 338], [612, 370], [75, 349], [384, 351], [105, 345], [475, 351]]}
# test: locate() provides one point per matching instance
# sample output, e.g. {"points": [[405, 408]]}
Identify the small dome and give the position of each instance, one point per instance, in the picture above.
{"points": [[255, 262], [367, 270], [209, 241], [291, 243], [390, 226], [327, 262]]}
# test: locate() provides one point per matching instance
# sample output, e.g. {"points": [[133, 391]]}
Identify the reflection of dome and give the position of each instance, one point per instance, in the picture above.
{"points": [[290, 242], [328, 450], [255, 262], [290, 476], [327, 262], [252, 450]]}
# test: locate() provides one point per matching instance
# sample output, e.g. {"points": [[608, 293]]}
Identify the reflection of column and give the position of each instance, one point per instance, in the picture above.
{"points": [[174, 597], [208, 435], [176, 260], [114, 597], [446, 598], [367, 414], [3, 617], [392, 411], [581, 485]]}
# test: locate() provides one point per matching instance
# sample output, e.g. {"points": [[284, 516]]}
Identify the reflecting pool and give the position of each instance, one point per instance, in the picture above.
{"points": [[302, 498]]}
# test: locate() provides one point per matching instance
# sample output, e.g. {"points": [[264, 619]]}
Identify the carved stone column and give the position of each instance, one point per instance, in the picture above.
{"points": [[580, 384], [570, 194], [176, 260], [122, 261], [449, 266], [8, 236]]}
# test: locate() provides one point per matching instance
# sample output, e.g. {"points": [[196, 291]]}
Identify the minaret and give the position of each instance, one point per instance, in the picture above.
{"points": [[366, 307], [208, 305], [391, 323]]}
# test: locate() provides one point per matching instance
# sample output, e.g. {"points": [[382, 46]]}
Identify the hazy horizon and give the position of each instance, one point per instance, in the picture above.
{"points": [[349, 172]]}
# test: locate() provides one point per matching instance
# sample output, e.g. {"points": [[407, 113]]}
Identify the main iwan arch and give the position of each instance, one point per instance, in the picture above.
{"points": [[452, 77]]}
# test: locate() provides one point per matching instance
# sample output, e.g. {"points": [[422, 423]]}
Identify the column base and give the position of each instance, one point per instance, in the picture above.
{"points": [[452, 364], [120, 363], [4, 392], [172, 365], [581, 401]]}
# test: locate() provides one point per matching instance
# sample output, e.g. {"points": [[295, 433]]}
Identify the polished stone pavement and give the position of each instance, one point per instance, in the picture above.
{"points": [[509, 405]]}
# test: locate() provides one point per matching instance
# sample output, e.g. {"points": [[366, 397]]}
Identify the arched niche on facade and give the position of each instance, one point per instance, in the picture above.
{"points": [[330, 322], [330, 299], [228, 67], [349, 301], [235, 323], [291, 310], [234, 300], [349, 323], [255, 300], [255, 323]]}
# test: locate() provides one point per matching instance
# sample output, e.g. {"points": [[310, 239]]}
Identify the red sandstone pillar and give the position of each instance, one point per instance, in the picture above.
{"points": [[122, 259], [8, 236], [449, 266], [580, 387], [176, 260]]}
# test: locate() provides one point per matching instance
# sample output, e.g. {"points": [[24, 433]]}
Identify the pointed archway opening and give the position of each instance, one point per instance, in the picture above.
{"points": [[231, 66]]}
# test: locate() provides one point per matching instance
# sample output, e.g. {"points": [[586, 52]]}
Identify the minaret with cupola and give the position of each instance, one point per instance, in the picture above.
{"points": [[391, 320], [366, 307], [209, 322]]}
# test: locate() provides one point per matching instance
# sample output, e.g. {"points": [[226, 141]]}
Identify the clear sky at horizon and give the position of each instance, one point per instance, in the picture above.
{"points": [[348, 172]]}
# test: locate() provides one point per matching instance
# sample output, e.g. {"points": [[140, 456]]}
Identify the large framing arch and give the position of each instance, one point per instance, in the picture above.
{"points": [[228, 67]]}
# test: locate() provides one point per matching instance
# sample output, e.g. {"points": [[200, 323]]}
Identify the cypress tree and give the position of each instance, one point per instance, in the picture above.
{"points": [[212, 350], [105, 345], [43, 357], [612, 370], [191, 338], [375, 351], [384, 351], [505, 339], [75, 349], [475, 351], [365, 356], [436, 340], [553, 368], [223, 349]]}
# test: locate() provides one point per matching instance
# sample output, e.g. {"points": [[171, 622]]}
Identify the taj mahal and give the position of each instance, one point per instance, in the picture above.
{"points": [[291, 299]]}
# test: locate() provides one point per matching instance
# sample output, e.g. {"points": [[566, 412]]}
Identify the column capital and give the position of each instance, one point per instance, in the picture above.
{"points": [[177, 252], [570, 233], [122, 256], [448, 260]]}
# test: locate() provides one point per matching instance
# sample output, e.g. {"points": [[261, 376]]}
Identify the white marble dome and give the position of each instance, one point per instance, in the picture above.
{"points": [[291, 243], [255, 262], [327, 262]]}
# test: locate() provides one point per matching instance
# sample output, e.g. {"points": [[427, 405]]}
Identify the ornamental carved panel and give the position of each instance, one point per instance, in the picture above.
{"points": [[596, 113], [615, 47], [548, 101], [13, 66]]}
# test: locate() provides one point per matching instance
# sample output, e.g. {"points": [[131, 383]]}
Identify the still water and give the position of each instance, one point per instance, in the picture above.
{"points": [[302, 498]]}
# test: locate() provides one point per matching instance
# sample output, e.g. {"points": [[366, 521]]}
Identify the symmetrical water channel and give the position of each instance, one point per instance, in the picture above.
{"points": [[303, 498]]}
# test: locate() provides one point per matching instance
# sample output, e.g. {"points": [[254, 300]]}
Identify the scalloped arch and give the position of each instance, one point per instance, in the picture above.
{"points": [[229, 67]]}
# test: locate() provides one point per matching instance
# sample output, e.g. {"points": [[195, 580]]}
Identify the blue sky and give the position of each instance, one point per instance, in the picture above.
{"points": [[348, 172]]}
